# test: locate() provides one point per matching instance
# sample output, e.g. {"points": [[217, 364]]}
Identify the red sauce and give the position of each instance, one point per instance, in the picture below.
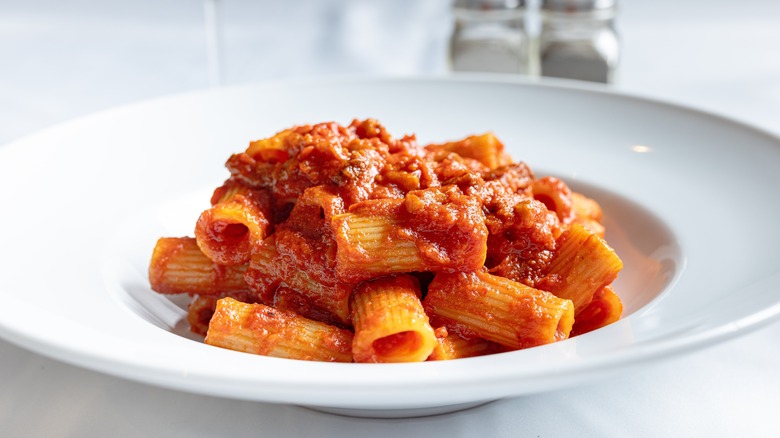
{"points": [[451, 206], [466, 207]]}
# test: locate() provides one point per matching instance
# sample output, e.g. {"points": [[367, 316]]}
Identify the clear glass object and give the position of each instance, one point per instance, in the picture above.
{"points": [[214, 42], [489, 36], [578, 40]]}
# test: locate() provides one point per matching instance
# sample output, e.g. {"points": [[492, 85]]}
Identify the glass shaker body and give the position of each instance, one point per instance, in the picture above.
{"points": [[579, 43], [489, 36]]}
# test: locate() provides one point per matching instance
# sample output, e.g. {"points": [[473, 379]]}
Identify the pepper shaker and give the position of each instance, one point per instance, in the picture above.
{"points": [[578, 40], [489, 36]]}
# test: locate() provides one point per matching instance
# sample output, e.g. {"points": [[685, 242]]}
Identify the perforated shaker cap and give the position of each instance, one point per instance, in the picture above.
{"points": [[489, 5], [574, 6]]}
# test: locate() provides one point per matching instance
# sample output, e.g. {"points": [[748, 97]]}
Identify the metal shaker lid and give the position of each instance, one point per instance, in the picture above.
{"points": [[489, 5], [573, 6]]}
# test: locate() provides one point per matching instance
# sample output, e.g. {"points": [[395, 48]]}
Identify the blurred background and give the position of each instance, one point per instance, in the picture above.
{"points": [[60, 60]]}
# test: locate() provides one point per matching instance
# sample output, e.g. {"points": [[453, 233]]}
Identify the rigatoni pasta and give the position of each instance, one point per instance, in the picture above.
{"points": [[583, 264], [178, 266], [498, 309], [455, 346], [260, 329], [390, 322], [238, 219], [344, 243]]}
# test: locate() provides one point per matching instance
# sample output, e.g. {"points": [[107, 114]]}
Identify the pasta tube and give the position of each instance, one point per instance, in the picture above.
{"points": [[556, 195], [368, 245], [263, 330], [268, 273], [201, 309], [485, 148], [273, 149], [453, 346], [604, 309], [429, 230], [587, 212], [498, 309], [239, 218], [582, 264], [390, 323], [199, 313], [178, 266]]}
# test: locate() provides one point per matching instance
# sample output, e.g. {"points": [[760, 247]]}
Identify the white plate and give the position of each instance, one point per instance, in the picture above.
{"points": [[690, 202]]}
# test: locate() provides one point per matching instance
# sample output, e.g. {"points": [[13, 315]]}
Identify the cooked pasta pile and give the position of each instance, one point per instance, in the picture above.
{"points": [[343, 243]]}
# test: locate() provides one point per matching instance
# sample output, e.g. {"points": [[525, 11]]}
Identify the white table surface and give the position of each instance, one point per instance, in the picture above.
{"points": [[60, 60]]}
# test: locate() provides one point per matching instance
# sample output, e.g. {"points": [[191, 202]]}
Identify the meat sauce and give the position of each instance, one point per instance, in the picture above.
{"points": [[398, 243], [449, 203]]}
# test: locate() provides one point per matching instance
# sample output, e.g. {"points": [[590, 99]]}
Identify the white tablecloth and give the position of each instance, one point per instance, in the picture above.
{"points": [[60, 60]]}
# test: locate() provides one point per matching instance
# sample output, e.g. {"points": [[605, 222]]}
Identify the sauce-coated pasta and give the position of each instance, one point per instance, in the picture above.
{"points": [[343, 243]]}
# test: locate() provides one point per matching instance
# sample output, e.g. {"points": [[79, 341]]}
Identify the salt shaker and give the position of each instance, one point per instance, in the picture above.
{"points": [[578, 40], [489, 36]]}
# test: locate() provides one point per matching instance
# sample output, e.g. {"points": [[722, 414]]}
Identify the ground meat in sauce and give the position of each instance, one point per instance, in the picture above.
{"points": [[451, 206]]}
